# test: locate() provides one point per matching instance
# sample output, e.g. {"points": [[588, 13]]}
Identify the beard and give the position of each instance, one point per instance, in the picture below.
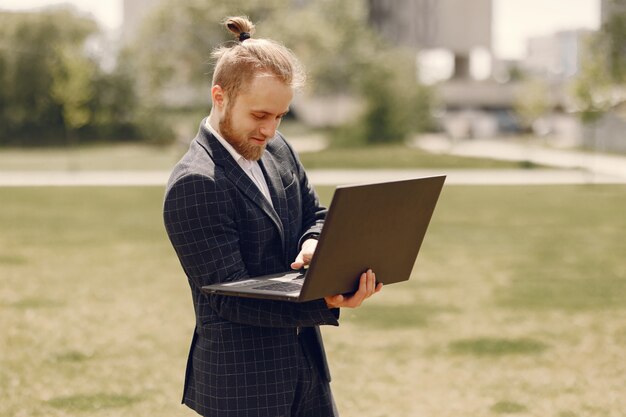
{"points": [[239, 141]]}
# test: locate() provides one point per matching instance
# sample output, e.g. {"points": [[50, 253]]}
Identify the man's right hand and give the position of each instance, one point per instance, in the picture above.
{"points": [[367, 288]]}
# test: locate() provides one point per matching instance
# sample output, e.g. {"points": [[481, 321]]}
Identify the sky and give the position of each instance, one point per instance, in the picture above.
{"points": [[513, 20], [516, 20]]}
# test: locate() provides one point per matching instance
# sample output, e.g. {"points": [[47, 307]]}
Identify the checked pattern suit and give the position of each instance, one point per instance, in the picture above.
{"points": [[245, 353]]}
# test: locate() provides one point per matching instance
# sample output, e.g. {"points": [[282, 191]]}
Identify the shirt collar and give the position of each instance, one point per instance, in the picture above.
{"points": [[243, 162]]}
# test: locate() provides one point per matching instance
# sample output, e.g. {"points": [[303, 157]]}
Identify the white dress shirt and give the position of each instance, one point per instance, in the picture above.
{"points": [[251, 168]]}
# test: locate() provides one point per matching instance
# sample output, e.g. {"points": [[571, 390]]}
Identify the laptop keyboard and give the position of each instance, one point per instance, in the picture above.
{"points": [[279, 286]]}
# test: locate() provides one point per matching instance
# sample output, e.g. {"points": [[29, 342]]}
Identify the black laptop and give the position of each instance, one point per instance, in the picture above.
{"points": [[379, 226]]}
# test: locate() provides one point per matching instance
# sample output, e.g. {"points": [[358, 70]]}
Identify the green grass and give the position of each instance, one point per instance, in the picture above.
{"points": [[492, 346], [100, 157], [92, 402], [517, 304], [118, 157], [393, 156]]}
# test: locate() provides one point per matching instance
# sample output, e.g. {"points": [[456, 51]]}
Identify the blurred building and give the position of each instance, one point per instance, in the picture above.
{"points": [[455, 25], [558, 56], [473, 107], [444, 34], [452, 33]]}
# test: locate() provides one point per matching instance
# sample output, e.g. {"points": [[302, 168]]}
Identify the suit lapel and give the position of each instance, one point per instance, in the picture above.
{"points": [[270, 168], [235, 173]]}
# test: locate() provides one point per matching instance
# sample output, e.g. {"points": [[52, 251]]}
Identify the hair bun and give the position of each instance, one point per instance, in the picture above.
{"points": [[240, 26]]}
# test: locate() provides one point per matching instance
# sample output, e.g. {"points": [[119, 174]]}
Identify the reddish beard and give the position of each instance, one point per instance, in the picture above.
{"points": [[240, 142]]}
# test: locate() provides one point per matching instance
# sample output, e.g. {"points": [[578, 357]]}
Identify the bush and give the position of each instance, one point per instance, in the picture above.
{"points": [[53, 92], [396, 105]]}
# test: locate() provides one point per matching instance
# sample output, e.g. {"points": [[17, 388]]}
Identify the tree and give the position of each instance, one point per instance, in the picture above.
{"points": [[72, 87], [341, 53], [533, 102], [613, 35], [52, 89], [395, 104], [175, 40], [333, 40], [599, 85], [29, 45]]}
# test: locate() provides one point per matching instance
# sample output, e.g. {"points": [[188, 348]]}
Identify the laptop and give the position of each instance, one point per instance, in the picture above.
{"points": [[378, 225]]}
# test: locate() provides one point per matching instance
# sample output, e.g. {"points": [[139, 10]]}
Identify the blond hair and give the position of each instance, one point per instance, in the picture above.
{"points": [[237, 63]]}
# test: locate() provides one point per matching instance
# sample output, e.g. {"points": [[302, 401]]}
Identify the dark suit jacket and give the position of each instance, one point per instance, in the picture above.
{"points": [[242, 360]]}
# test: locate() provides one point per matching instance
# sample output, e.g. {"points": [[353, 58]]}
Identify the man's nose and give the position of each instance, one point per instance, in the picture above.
{"points": [[269, 129]]}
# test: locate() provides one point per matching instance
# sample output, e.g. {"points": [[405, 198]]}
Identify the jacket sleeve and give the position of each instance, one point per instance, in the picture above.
{"points": [[199, 219]]}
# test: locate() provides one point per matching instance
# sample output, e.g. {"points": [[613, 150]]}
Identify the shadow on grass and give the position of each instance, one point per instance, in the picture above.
{"points": [[85, 402], [71, 356], [486, 346], [13, 260], [33, 302], [508, 407]]}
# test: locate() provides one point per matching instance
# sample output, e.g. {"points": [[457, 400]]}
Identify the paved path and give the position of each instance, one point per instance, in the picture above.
{"points": [[318, 177], [596, 163]]}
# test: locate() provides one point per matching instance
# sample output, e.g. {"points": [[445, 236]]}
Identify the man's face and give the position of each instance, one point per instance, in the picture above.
{"points": [[251, 120]]}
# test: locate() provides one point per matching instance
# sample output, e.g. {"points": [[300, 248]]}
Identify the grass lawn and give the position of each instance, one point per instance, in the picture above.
{"points": [[396, 157], [146, 157], [517, 305], [91, 158]]}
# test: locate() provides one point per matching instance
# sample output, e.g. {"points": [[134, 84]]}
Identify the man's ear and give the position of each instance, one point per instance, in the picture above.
{"points": [[218, 97]]}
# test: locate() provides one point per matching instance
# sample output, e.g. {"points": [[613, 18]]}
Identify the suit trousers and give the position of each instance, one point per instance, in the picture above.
{"points": [[313, 397]]}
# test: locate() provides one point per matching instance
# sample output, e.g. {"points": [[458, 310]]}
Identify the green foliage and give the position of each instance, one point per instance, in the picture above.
{"points": [[603, 69], [614, 34], [592, 87], [515, 73], [71, 86], [344, 55], [384, 119], [29, 46], [341, 53], [51, 88], [329, 36], [175, 40], [395, 104], [533, 101], [332, 39]]}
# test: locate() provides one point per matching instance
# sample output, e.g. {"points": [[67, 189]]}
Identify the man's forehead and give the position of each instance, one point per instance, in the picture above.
{"points": [[266, 95]]}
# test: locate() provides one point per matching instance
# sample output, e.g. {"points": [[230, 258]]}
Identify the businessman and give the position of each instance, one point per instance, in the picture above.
{"points": [[239, 204]]}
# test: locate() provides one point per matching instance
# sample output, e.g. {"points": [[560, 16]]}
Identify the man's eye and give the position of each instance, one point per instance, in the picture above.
{"points": [[258, 117]]}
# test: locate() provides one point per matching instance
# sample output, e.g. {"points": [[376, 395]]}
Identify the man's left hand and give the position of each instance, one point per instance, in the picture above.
{"points": [[305, 255]]}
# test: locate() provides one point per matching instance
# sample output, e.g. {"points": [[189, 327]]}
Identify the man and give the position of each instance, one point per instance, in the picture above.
{"points": [[239, 204]]}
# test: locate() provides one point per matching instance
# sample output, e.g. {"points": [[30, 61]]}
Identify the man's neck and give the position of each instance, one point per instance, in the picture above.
{"points": [[214, 121]]}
